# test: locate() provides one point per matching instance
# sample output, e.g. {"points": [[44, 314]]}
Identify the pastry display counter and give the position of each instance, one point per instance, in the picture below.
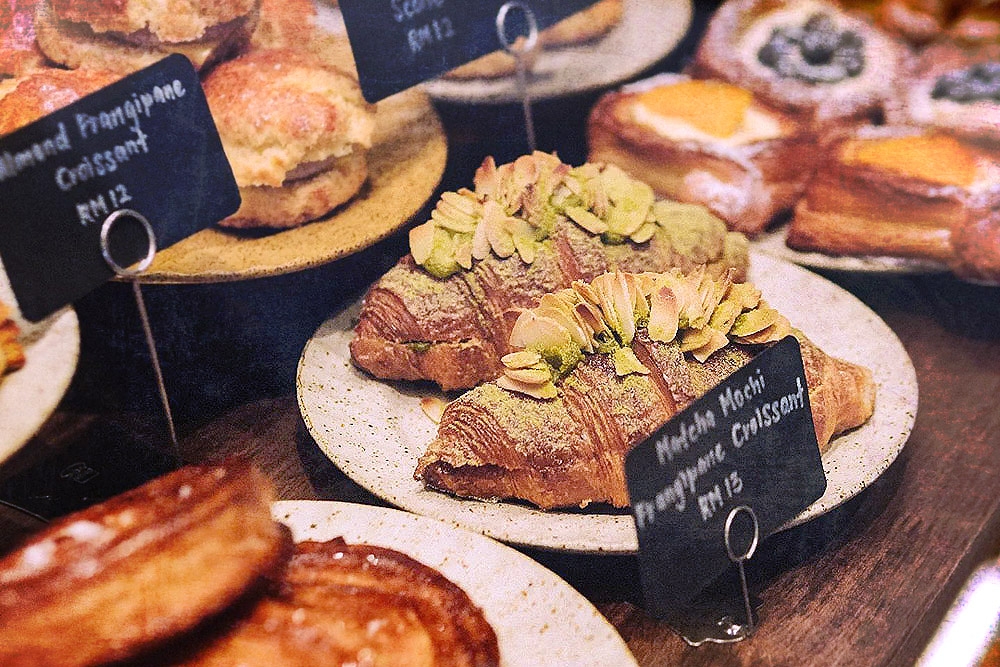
{"points": [[866, 583]]}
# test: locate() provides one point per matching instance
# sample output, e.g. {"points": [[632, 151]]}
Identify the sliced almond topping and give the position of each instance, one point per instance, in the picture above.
{"points": [[521, 359], [464, 200], [663, 315], [717, 341], [724, 316], [564, 317], [480, 242], [422, 242], [692, 339], [589, 314], [745, 295], [753, 321], [645, 232], [532, 331], [433, 407], [501, 240], [529, 375], [541, 391], [770, 334], [463, 252], [586, 219], [455, 220]]}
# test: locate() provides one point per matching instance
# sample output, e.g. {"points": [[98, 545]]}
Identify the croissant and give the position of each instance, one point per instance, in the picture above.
{"points": [[530, 227], [557, 435]]}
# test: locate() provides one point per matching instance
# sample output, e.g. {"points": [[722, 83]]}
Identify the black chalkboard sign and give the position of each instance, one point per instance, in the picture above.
{"points": [[749, 441], [400, 43], [146, 143]]}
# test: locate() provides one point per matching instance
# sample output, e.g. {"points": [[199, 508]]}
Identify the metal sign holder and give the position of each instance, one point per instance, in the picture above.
{"points": [[130, 274], [521, 53], [724, 629]]}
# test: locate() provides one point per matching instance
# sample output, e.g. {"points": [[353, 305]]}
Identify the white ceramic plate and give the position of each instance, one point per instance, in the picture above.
{"points": [[648, 31], [772, 242], [538, 618], [28, 396], [374, 431]]}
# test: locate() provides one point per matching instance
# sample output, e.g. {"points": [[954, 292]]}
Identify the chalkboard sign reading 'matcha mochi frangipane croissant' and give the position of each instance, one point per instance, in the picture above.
{"points": [[146, 143], [400, 43], [749, 441]]}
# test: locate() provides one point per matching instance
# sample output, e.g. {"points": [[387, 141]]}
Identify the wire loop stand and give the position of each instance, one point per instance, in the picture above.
{"points": [[713, 618], [131, 273], [521, 52]]}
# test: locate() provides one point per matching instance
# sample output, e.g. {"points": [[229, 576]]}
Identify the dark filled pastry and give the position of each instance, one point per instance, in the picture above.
{"points": [[528, 227], [811, 58], [105, 583], [906, 192], [296, 131], [127, 35], [339, 604], [598, 368], [953, 89], [706, 142]]}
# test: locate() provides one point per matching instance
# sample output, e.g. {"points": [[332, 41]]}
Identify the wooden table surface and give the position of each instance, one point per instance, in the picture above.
{"points": [[866, 584]]}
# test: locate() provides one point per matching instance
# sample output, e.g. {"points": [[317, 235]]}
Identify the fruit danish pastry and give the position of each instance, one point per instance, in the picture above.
{"points": [[528, 227], [954, 89], [811, 57], [706, 142], [906, 192], [598, 368]]}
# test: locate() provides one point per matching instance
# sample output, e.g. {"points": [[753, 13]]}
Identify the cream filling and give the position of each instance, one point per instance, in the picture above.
{"points": [[758, 125], [309, 169]]}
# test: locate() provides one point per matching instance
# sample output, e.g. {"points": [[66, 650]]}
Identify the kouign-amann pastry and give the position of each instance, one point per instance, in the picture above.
{"points": [[105, 583], [127, 35], [19, 51], [706, 142], [598, 368], [953, 89], [809, 57], [529, 227], [27, 98], [353, 604], [584, 26], [905, 192], [296, 132]]}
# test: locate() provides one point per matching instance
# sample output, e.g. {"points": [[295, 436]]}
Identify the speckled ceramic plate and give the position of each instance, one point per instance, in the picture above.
{"points": [[648, 31], [374, 431], [28, 396], [772, 242], [405, 166], [538, 618]]}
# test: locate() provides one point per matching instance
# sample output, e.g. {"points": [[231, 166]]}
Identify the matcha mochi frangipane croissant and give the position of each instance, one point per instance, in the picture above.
{"points": [[598, 368], [526, 228]]}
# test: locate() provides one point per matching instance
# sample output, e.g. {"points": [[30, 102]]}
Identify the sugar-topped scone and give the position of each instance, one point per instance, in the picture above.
{"points": [[706, 142], [952, 88], [19, 51], [809, 57], [28, 98], [905, 192], [296, 132], [126, 35]]}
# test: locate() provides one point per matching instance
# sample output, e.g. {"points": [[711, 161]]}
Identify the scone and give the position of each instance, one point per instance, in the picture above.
{"points": [[905, 192], [584, 26], [127, 35], [954, 89], [19, 51], [808, 57], [705, 142], [28, 98], [296, 132]]}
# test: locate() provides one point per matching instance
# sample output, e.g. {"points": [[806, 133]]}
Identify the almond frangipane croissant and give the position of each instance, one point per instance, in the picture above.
{"points": [[530, 227], [605, 365]]}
